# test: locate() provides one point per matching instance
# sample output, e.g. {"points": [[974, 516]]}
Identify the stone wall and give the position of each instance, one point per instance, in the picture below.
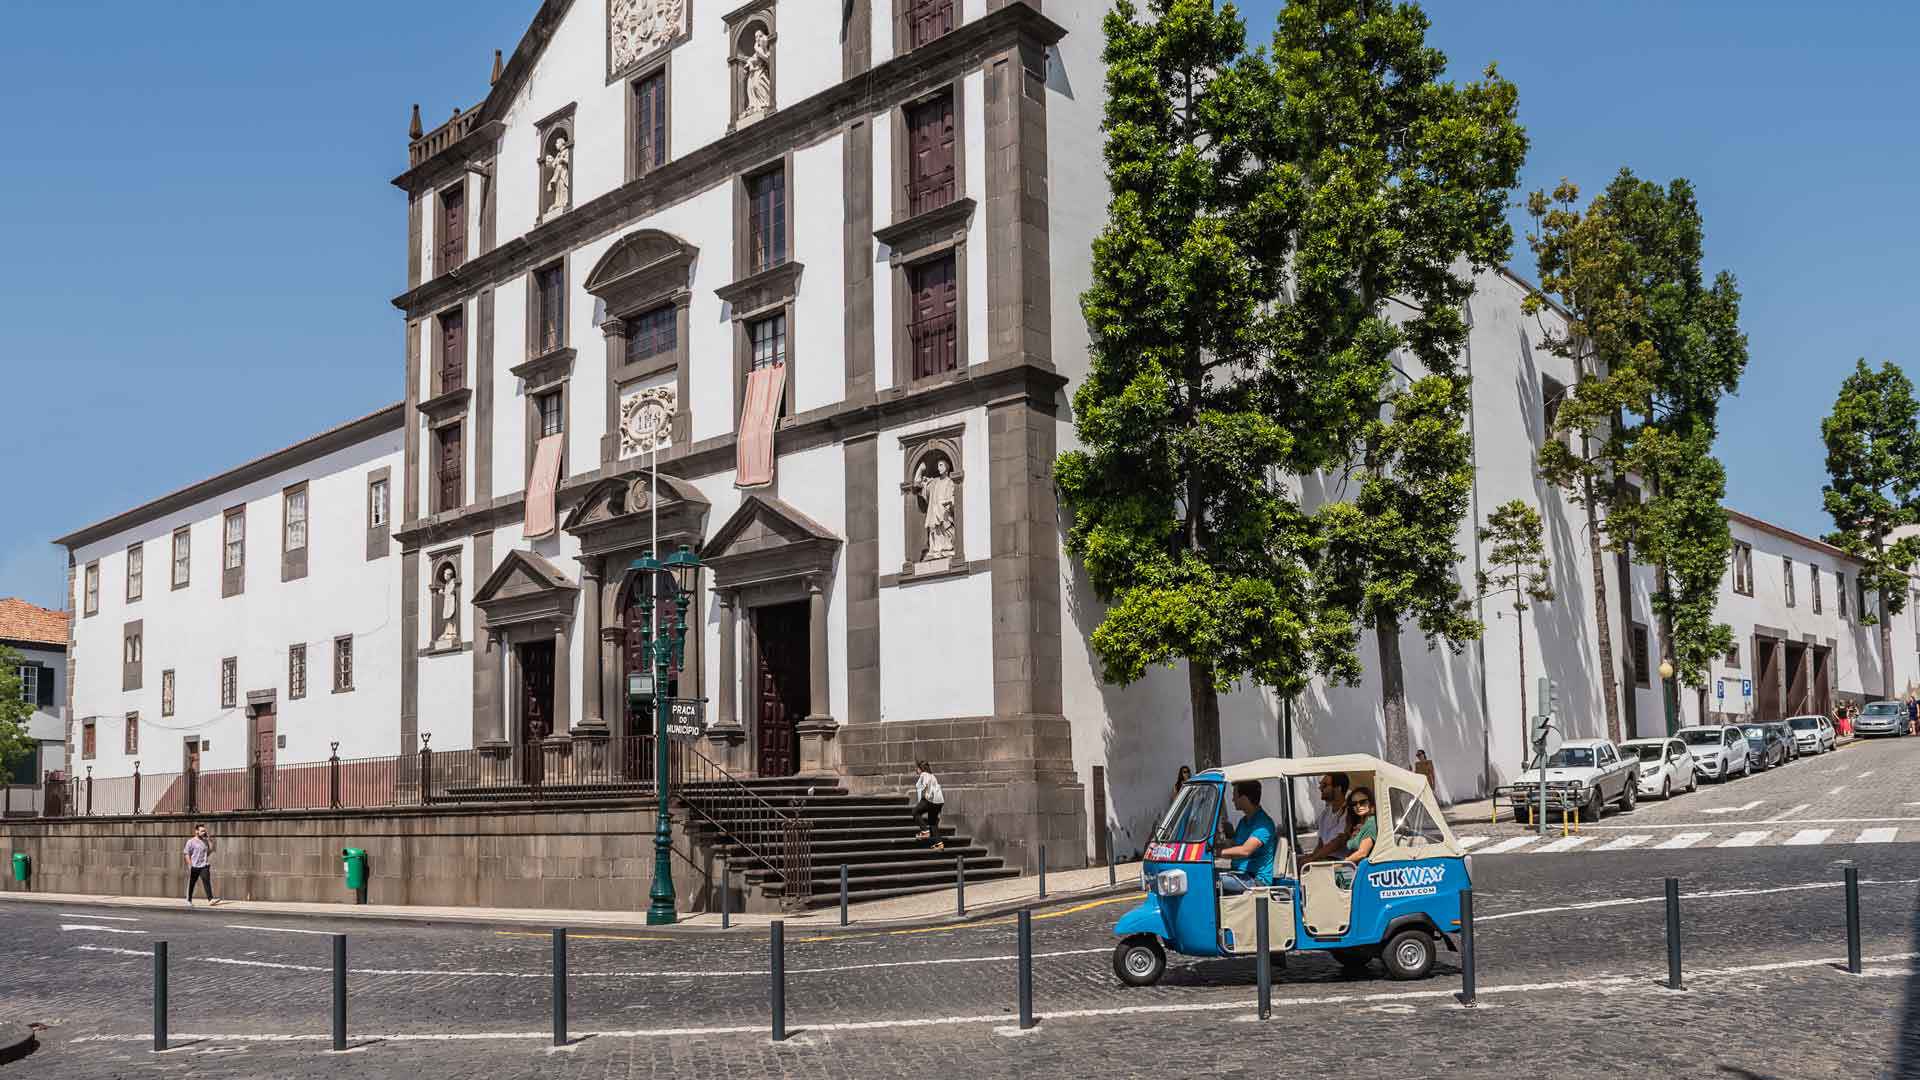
{"points": [[1008, 780], [586, 858]]}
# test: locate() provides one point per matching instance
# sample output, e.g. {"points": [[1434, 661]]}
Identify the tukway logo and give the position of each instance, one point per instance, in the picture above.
{"points": [[1407, 881]]}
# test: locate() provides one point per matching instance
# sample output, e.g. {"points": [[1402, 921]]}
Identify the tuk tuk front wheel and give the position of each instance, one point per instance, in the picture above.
{"points": [[1139, 960], [1409, 955]]}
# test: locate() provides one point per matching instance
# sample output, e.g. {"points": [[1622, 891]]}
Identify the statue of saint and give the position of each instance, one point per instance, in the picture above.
{"points": [[937, 489], [446, 604], [760, 76], [559, 174]]}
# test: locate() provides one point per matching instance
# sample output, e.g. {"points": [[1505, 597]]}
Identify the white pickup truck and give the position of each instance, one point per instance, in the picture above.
{"points": [[1582, 775]]}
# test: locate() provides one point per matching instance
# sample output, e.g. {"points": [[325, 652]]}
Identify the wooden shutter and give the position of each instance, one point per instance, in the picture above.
{"points": [[453, 350], [46, 686], [930, 175], [928, 19], [453, 229], [934, 332], [451, 460], [650, 123]]}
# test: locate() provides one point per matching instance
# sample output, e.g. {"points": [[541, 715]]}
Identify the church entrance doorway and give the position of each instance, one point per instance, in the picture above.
{"points": [[536, 705], [780, 685]]}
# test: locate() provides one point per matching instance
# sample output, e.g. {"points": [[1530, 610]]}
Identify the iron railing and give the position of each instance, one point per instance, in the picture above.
{"points": [[762, 832]]}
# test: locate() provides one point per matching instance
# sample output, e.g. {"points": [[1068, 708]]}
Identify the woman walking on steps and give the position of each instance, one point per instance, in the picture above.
{"points": [[928, 802]]}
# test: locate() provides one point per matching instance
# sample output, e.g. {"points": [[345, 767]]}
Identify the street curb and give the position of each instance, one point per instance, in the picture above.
{"points": [[347, 911], [16, 1041]]}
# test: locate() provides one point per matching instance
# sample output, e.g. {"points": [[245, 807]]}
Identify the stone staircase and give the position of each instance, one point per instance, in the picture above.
{"points": [[873, 836]]}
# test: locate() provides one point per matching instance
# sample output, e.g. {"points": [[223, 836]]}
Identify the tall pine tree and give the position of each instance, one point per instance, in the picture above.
{"points": [[1873, 487]]}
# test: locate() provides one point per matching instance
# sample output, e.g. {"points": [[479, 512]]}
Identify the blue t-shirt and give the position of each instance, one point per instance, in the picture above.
{"points": [[1259, 865]]}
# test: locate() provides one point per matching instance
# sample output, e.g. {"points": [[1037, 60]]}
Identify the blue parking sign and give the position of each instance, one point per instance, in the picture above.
{"points": [[1720, 689], [1746, 687]]}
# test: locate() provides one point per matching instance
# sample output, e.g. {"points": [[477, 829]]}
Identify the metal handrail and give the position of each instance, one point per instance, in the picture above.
{"points": [[793, 862]]}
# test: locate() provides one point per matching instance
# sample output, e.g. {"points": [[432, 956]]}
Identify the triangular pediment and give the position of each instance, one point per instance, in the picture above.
{"points": [[522, 574], [619, 498], [765, 524]]}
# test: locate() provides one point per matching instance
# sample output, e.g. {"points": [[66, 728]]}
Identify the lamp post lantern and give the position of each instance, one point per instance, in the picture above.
{"points": [[665, 647]]}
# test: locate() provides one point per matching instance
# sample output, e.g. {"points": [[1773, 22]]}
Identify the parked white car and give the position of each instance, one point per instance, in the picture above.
{"points": [[1666, 766], [1813, 734], [1719, 751], [1584, 775]]}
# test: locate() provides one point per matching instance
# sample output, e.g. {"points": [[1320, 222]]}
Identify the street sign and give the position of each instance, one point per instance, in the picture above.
{"points": [[686, 718], [1746, 688], [1720, 689]]}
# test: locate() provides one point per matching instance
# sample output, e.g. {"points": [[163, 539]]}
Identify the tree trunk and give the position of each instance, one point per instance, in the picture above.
{"points": [[1886, 646], [1603, 624], [1393, 693], [1520, 634], [1206, 715], [1669, 688]]}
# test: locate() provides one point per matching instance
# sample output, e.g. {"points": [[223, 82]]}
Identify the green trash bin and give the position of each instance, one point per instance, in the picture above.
{"points": [[22, 867], [356, 863]]}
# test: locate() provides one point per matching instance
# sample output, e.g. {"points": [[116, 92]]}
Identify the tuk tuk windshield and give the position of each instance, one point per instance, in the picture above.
{"points": [[1190, 819]]}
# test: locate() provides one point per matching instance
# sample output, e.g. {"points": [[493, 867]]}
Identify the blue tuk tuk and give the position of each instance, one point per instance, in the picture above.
{"points": [[1398, 904]]}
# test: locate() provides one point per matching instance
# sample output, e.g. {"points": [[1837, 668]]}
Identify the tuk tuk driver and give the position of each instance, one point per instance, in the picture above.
{"points": [[1253, 842]]}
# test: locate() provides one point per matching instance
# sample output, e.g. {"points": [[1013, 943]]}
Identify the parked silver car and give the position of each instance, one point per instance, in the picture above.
{"points": [[1813, 734], [1882, 718], [1719, 750]]}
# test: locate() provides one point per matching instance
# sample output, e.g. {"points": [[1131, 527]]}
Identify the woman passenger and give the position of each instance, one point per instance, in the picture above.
{"points": [[1360, 825]]}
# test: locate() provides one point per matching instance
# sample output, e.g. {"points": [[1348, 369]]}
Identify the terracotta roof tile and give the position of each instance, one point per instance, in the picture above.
{"points": [[21, 621]]}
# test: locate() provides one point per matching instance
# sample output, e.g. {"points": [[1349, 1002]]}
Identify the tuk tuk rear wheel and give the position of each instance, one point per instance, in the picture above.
{"points": [[1139, 960], [1409, 955]]}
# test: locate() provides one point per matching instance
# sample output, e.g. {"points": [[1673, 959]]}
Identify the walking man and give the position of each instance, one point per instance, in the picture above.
{"points": [[199, 856]]}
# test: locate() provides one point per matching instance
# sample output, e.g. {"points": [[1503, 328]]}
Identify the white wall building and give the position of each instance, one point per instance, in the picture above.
{"points": [[253, 612], [39, 637], [822, 263]]}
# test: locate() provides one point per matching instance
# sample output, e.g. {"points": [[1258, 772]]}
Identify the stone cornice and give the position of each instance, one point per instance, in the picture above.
{"points": [[446, 406], [992, 383], [803, 123], [757, 292], [546, 368], [922, 231]]}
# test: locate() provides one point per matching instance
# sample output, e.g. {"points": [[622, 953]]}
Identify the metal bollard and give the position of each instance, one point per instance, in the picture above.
{"points": [[1023, 983], [1263, 956], [777, 979], [1853, 920], [1466, 947], [959, 885], [843, 894], [1673, 933], [726, 896], [1112, 874], [559, 986], [159, 995], [339, 991], [1043, 871]]}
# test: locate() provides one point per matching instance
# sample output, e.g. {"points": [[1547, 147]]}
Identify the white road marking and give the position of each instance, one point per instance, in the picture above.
{"points": [[1727, 824], [1624, 842], [103, 918], [1866, 774], [1565, 843], [1465, 842], [1746, 839], [1625, 983], [939, 962], [1683, 840], [1808, 836], [1741, 809], [1513, 843], [1785, 814], [279, 929], [99, 929], [1843, 787], [1876, 836], [1630, 901]]}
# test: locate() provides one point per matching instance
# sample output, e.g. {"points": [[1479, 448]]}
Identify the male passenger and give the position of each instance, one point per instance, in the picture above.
{"points": [[1331, 825], [1253, 842]]}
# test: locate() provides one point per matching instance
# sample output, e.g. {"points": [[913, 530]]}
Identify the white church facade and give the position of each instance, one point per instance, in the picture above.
{"points": [[796, 285]]}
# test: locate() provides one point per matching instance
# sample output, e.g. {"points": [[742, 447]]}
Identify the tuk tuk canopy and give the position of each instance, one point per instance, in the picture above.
{"points": [[1410, 825]]}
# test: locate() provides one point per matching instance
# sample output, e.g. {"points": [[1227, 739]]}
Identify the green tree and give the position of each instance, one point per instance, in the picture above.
{"points": [[14, 712], [1873, 487], [1398, 178], [1180, 510], [1519, 557]]}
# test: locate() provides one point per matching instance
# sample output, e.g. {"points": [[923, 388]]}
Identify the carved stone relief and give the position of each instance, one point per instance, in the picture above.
{"points": [[636, 28], [646, 417]]}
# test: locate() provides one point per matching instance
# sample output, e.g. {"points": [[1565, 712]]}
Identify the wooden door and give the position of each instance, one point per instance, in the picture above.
{"points": [[190, 755], [781, 690], [928, 19], [265, 741], [930, 177], [935, 329], [536, 705]]}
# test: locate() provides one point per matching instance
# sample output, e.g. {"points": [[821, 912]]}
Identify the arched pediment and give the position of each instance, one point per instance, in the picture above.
{"points": [[641, 268], [616, 514]]}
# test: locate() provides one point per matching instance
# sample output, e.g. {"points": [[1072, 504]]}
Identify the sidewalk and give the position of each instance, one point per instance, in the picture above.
{"points": [[984, 899]]}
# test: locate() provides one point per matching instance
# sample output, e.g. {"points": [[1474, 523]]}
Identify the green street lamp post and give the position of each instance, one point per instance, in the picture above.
{"points": [[666, 645], [1670, 691]]}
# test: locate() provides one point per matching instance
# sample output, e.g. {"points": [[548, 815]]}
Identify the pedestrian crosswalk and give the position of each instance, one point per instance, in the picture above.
{"points": [[1607, 840]]}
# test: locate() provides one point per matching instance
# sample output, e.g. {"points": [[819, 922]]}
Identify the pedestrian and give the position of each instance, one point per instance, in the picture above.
{"points": [[1424, 766], [929, 801], [199, 857], [1913, 717], [1180, 780]]}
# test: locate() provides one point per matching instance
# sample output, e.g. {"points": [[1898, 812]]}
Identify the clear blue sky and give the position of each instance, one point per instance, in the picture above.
{"points": [[202, 241]]}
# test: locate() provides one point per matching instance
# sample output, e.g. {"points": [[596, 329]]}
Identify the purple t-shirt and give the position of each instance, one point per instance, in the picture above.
{"points": [[197, 851]]}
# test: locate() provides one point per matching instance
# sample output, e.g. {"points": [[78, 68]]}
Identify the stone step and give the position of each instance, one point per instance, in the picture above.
{"points": [[881, 888], [977, 859]]}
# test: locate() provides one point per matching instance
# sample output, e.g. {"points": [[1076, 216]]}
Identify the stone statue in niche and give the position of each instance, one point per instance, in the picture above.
{"points": [[559, 175], [936, 490], [759, 71], [446, 606], [638, 27]]}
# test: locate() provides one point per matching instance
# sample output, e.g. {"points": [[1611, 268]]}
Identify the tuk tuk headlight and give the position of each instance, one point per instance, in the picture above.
{"points": [[1171, 883]]}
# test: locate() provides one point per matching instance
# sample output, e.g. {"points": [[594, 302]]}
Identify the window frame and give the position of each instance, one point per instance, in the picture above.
{"points": [[1840, 595], [130, 739], [1786, 578], [297, 671], [233, 568], [455, 428], [136, 559], [538, 343], [904, 23], [1640, 654], [906, 363], [343, 664], [230, 682], [133, 651], [379, 494], [89, 739], [29, 683], [779, 232], [1813, 589], [180, 572], [948, 99], [444, 360], [90, 590], [447, 254], [293, 560], [661, 70], [169, 688], [743, 366], [1742, 568]]}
